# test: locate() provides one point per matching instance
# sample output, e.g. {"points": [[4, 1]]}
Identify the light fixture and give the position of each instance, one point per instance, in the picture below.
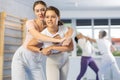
{"points": [[77, 3]]}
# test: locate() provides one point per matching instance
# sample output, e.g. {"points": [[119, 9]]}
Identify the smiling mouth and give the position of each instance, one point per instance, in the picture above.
{"points": [[49, 22]]}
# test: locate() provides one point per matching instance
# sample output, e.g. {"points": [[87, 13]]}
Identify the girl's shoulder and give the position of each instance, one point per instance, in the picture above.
{"points": [[63, 28]]}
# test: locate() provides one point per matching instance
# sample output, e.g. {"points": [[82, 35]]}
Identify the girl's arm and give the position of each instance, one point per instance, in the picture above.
{"points": [[90, 39], [62, 48], [80, 35], [32, 45]]}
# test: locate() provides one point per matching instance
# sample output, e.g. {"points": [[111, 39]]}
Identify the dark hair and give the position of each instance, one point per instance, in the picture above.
{"points": [[103, 33], [56, 11], [76, 39], [39, 2]]}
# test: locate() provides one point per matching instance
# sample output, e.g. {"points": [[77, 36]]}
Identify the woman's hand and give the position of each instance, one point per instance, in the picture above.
{"points": [[46, 51]]}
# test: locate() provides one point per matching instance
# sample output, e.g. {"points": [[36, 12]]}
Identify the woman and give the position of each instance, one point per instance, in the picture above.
{"points": [[26, 65], [57, 62], [86, 59], [107, 59]]}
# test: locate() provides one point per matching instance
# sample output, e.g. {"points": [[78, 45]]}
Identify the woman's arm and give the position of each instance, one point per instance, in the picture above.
{"points": [[41, 37], [68, 36], [32, 45], [35, 46], [69, 32], [62, 48], [37, 35]]}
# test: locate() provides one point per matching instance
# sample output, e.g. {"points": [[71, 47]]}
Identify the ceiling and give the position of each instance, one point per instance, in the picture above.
{"points": [[82, 4]]}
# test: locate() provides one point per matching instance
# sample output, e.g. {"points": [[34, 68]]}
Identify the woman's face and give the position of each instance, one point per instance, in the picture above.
{"points": [[39, 11], [51, 18]]}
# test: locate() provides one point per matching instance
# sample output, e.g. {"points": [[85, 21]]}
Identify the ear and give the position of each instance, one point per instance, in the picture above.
{"points": [[59, 18]]}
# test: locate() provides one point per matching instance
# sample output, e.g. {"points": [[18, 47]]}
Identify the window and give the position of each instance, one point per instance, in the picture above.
{"points": [[87, 32], [67, 22], [100, 21], [91, 27], [96, 32], [115, 21], [83, 22]]}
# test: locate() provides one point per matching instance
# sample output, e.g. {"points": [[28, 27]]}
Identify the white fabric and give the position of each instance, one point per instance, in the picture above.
{"points": [[86, 47], [27, 65], [104, 46], [107, 59], [56, 64]]}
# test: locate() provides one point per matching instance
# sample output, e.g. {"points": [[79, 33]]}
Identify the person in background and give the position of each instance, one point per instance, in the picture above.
{"points": [[107, 59], [26, 64], [86, 59], [57, 63]]}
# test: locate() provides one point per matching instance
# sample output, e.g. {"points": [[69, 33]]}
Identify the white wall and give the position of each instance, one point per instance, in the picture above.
{"points": [[23, 8], [91, 14], [17, 8]]}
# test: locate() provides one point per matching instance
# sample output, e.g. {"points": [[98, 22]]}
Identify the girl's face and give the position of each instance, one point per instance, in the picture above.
{"points": [[100, 35], [80, 35], [51, 18], [39, 11]]}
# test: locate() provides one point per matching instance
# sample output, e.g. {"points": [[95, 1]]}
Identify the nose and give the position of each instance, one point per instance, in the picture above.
{"points": [[40, 12], [50, 18]]}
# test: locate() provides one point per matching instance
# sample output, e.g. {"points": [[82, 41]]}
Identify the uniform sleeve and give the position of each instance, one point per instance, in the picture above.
{"points": [[30, 25]]}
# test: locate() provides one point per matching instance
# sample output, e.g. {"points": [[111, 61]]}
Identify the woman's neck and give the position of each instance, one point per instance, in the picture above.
{"points": [[40, 24], [53, 30], [39, 21]]}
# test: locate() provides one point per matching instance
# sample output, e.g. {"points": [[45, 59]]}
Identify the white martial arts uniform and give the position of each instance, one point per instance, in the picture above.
{"points": [[108, 60]]}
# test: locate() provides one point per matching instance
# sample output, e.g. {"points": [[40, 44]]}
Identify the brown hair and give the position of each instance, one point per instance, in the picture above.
{"points": [[39, 2], [57, 12], [103, 33]]}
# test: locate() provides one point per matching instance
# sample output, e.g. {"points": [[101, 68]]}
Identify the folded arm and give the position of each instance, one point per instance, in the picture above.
{"points": [[61, 48]]}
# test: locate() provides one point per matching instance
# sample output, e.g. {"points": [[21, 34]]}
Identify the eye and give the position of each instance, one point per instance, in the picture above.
{"points": [[37, 10], [53, 16], [42, 9], [46, 16]]}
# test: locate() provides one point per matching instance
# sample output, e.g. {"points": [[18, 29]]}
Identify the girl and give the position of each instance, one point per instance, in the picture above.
{"points": [[86, 59]]}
